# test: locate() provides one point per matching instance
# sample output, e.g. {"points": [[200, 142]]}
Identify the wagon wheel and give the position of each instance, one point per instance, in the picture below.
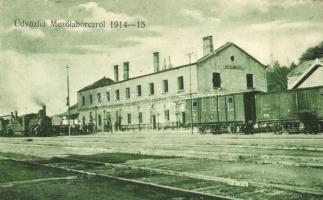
{"points": [[238, 130], [232, 129], [229, 129], [278, 129], [202, 130], [9, 132], [35, 131]]}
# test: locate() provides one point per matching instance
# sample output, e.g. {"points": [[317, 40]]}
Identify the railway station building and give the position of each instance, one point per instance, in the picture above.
{"points": [[157, 100]]}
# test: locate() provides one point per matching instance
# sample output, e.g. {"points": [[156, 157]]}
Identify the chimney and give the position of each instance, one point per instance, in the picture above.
{"points": [[16, 114], [125, 70], [156, 61], [164, 66], [116, 73], [207, 45], [169, 63], [12, 116]]}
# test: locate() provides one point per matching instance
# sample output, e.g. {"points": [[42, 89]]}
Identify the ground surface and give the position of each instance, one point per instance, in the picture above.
{"points": [[262, 166]]}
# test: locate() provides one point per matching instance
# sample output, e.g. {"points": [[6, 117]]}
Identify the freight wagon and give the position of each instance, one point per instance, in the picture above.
{"points": [[292, 111], [221, 113]]}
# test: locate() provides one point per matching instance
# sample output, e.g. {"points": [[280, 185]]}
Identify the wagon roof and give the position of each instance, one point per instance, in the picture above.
{"points": [[202, 95]]}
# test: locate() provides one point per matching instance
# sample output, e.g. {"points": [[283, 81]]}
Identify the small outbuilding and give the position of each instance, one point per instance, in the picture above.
{"points": [[308, 74]]}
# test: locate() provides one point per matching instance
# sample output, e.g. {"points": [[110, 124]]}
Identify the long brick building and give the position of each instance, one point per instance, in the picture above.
{"points": [[157, 100]]}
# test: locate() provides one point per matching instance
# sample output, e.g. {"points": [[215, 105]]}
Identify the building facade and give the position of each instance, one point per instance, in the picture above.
{"points": [[157, 100]]}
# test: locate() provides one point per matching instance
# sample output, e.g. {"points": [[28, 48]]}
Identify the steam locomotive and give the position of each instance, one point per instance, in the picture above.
{"points": [[33, 124]]}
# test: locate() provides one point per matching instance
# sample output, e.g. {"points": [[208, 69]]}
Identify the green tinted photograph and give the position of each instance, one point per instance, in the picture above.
{"points": [[161, 100]]}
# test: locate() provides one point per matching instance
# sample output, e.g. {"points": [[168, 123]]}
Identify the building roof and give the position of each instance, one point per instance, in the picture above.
{"points": [[92, 86], [100, 83], [215, 51], [106, 81], [228, 44], [73, 111], [301, 68], [302, 72], [5, 116]]}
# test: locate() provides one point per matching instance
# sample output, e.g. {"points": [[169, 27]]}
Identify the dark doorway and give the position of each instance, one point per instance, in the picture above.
{"points": [[183, 118], [250, 107], [99, 120]]}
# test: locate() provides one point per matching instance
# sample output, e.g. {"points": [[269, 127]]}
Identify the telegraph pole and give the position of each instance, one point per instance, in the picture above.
{"points": [[191, 98], [68, 100]]}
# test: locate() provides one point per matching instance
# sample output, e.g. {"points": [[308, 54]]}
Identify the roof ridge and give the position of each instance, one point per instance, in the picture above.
{"points": [[307, 72], [298, 70], [220, 48], [99, 83], [215, 51], [223, 47]]}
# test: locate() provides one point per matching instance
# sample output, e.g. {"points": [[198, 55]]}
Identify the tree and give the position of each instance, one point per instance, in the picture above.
{"points": [[312, 53], [277, 74], [277, 77], [292, 66]]}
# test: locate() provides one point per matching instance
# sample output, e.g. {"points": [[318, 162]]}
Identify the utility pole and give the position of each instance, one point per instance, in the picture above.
{"points": [[191, 98], [68, 100]]}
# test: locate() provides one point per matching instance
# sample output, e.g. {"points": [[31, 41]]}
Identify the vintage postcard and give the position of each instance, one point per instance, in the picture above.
{"points": [[161, 99]]}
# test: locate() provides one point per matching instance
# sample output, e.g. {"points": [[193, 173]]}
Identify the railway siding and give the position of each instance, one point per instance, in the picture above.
{"points": [[194, 194], [239, 167], [229, 181]]}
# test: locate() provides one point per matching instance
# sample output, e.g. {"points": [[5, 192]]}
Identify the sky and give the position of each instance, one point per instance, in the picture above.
{"points": [[33, 59]]}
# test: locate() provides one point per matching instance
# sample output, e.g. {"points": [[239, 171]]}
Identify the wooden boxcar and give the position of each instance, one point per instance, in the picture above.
{"points": [[276, 106], [221, 112], [291, 110], [311, 101]]}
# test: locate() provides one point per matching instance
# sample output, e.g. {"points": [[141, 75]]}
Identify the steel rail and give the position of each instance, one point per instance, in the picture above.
{"points": [[153, 185]]}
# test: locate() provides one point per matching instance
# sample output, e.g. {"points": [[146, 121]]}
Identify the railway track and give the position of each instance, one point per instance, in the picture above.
{"points": [[82, 168], [261, 158], [228, 181], [89, 143], [194, 194], [13, 183]]}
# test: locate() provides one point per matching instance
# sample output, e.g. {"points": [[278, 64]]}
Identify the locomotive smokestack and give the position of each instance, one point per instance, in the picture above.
{"points": [[44, 110]]}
